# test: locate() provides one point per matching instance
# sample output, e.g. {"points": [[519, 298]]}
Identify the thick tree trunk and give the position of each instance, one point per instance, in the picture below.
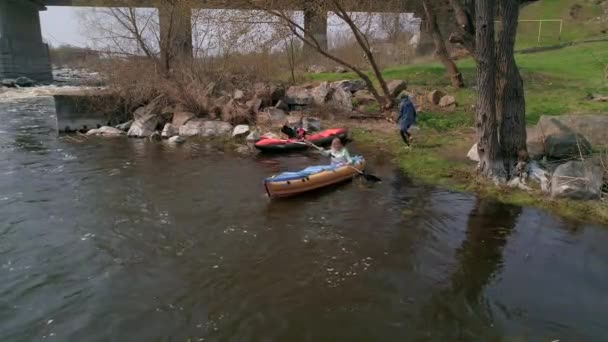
{"points": [[441, 51], [510, 106], [490, 164]]}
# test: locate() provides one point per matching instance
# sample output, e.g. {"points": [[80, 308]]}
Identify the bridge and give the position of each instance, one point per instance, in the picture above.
{"points": [[24, 53]]}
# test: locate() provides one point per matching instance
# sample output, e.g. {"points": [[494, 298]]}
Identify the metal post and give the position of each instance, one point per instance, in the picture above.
{"points": [[540, 28], [561, 26]]}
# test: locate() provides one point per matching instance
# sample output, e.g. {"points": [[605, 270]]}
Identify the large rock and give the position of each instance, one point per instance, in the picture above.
{"points": [[238, 94], [311, 124], [566, 146], [181, 118], [237, 113], [577, 180], [317, 69], [342, 99], [364, 97], [240, 130], [204, 128], [299, 96], [322, 93], [254, 105], [435, 96], [125, 126], [268, 93], [177, 140], [169, 131], [143, 126], [473, 153], [9, 83], [351, 86], [271, 116], [282, 105], [447, 101], [153, 108], [25, 82], [396, 87], [106, 131], [253, 137], [593, 127]]}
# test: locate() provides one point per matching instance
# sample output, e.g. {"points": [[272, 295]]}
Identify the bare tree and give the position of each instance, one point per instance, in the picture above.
{"points": [[441, 51], [339, 8]]}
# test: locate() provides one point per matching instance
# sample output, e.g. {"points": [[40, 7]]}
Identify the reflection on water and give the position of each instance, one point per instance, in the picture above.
{"points": [[116, 239]]}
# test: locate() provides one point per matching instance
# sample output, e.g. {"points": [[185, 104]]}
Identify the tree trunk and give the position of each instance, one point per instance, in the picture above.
{"points": [[441, 51], [490, 164], [510, 106]]}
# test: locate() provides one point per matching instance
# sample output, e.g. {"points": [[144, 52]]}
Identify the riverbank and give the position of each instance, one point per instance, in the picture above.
{"points": [[568, 81]]}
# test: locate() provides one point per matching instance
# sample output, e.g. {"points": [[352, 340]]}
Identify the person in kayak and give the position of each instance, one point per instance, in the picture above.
{"points": [[289, 131], [338, 153], [407, 118]]}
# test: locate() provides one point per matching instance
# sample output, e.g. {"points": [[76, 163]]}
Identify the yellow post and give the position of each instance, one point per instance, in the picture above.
{"points": [[540, 28]]}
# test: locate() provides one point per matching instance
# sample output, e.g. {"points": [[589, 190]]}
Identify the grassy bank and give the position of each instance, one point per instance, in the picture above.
{"points": [[556, 82]]}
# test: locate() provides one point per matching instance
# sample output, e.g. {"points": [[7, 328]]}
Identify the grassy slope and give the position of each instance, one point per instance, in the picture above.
{"points": [[556, 83]]}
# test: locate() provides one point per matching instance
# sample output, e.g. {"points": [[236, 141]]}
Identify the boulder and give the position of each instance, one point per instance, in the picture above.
{"points": [[254, 105], [9, 83], [25, 82], [237, 113], [435, 96], [205, 128], [577, 180], [311, 124], [341, 99], [169, 131], [180, 118], [106, 131], [447, 101], [295, 119], [322, 93], [539, 175], [299, 96], [271, 116], [341, 70], [240, 130], [396, 87], [364, 97], [317, 69], [282, 105], [177, 139], [143, 126], [153, 108], [156, 136], [253, 137], [268, 93], [238, 94], [125, 126], [243, 149], [473, 154], [566, 146], [592, 127], [351, 86]]}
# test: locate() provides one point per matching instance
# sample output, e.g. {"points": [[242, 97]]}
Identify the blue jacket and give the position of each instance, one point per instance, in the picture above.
{"points": [[407, 114]]}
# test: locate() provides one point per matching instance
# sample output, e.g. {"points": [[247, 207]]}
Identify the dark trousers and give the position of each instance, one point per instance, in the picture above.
{"points": [[405, 136]]}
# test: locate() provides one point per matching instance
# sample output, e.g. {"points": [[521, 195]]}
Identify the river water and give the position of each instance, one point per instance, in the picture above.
{"points": [[128, 240]]}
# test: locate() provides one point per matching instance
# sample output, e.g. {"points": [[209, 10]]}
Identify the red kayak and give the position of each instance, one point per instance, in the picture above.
{"points": [[322, 138]]}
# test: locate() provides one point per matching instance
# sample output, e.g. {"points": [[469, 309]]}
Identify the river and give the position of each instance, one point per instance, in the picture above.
{"points": [[128, 240]]}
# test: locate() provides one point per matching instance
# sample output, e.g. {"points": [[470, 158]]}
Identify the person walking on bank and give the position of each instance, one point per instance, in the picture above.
{"points": [[407, 118]]}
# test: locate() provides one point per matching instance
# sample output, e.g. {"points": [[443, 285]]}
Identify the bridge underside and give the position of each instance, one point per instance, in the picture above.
{"points": [[23, 52]]}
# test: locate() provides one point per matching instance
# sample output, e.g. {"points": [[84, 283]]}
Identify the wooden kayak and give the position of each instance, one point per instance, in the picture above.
{"points": [[322, 138], [315, 177]]}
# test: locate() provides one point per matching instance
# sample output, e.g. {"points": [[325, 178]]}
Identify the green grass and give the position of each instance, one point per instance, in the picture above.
{"points": [[556, 83]]}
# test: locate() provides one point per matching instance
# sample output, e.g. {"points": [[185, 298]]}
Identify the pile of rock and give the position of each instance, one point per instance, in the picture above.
{"points": [[565, 145], [21, 82], [442, 100]]}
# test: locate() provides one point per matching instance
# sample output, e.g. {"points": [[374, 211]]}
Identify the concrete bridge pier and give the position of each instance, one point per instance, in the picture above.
{"points": [[22, 51]]}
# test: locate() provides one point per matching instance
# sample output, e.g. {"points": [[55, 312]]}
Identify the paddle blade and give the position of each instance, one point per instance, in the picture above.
{"points": [[371, 178]]}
